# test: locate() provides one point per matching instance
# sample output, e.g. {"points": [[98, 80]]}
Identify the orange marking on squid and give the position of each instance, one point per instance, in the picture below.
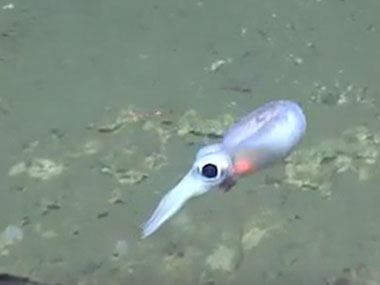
{"points": [[243, 165]]}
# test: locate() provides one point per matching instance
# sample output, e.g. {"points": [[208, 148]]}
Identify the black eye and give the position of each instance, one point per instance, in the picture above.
{"points": [[209, 170]]}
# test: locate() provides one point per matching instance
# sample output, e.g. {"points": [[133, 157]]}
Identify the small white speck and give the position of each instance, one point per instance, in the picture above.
{"points": [[216, 65], [274, 15], [8, 6], [298, 60], [295, 59]]}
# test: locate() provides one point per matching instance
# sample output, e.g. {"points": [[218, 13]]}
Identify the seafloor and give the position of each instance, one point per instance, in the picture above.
{"points": [[103, 105]]}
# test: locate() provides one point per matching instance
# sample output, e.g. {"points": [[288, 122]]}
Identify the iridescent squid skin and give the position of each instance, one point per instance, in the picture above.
{"points": [[259, 139]]}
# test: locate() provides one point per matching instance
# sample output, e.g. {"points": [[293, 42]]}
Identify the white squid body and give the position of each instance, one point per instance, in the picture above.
{"points": [[259, 139]]}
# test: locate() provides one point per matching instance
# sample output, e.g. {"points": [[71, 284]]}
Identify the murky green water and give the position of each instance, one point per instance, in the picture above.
{"points": [[104, 104]]}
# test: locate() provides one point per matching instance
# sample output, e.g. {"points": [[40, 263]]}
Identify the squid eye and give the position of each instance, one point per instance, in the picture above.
{"points": [[209, 170], [212, 168]]}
